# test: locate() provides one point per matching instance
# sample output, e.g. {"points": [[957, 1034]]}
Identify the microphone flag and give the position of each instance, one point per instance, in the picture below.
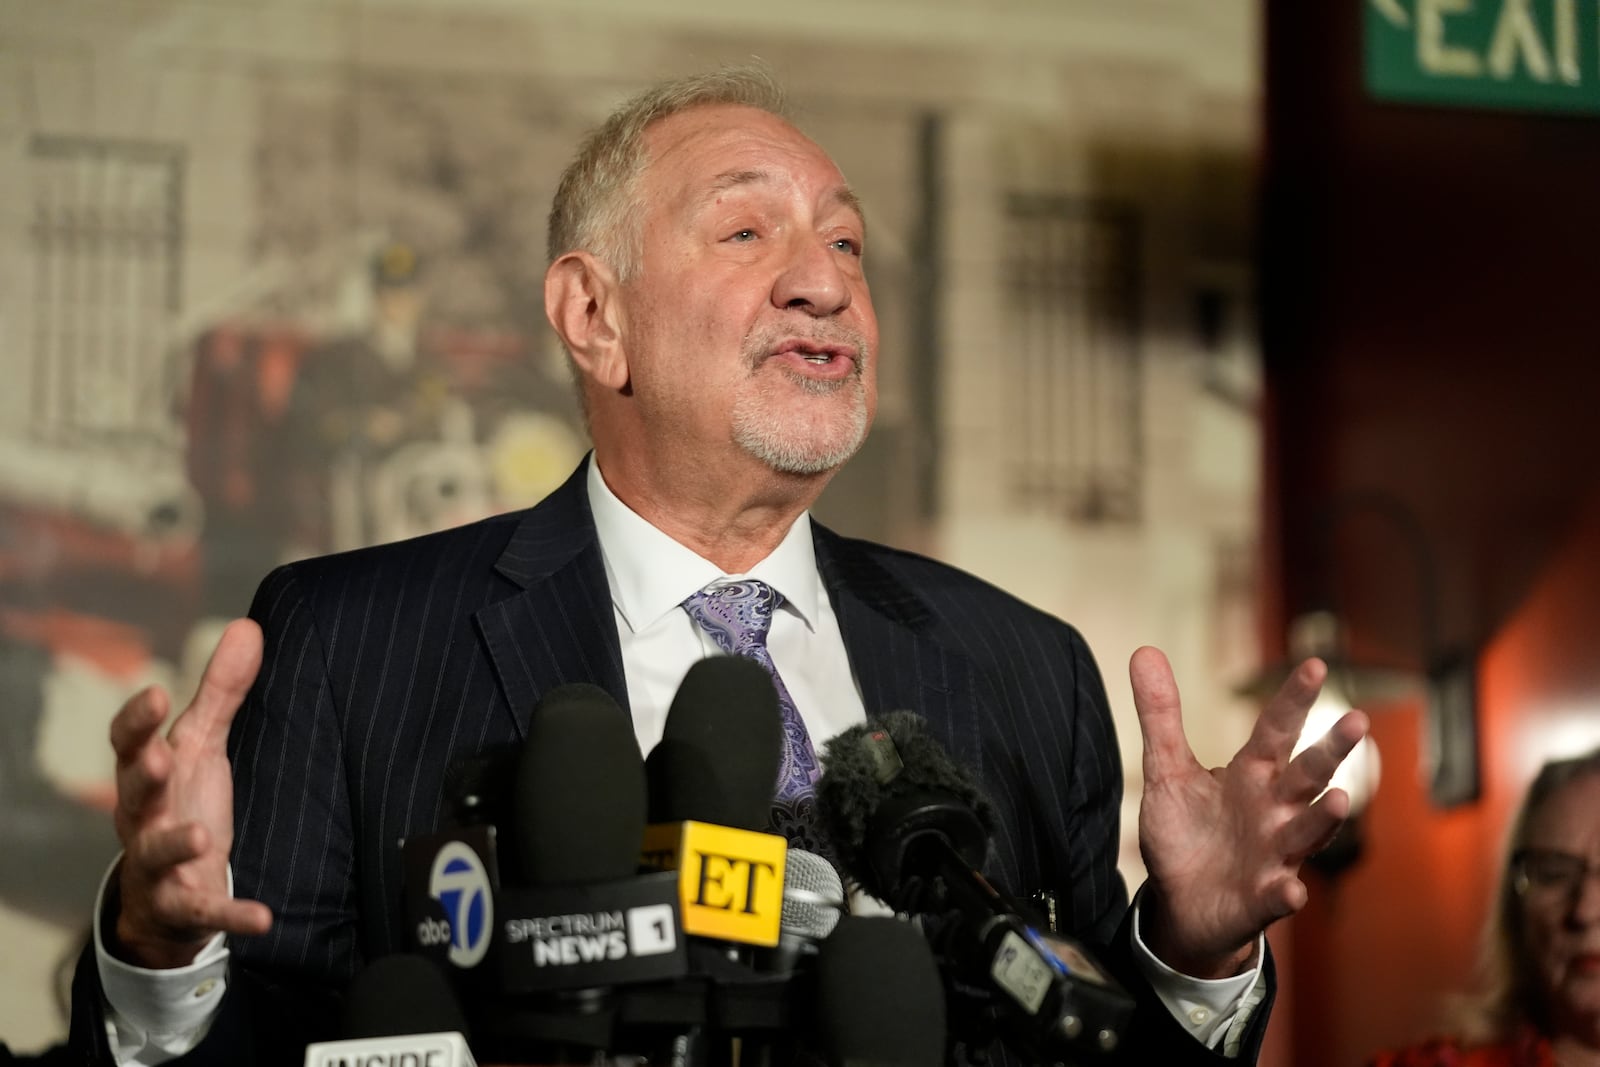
{"points": [[730, 881], [585, 935], [412, 1050]]}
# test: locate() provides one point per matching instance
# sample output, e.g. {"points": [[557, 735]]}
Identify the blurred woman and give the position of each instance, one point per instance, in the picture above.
{"points": [[1541, 1005]]}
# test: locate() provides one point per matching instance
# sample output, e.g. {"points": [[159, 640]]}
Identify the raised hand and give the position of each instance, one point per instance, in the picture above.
{"points": [[175, 813], [1224, 846]]}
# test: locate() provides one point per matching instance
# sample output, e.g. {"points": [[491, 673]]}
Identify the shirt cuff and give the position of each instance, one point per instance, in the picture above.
{"points": [[1216, 1011], [156, 1015]]}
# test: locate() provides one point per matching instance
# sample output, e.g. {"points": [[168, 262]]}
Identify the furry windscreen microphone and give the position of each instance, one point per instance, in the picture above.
{"points": [[886, 783], [908, 828]]}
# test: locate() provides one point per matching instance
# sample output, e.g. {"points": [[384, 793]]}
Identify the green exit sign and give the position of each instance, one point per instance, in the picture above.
{"points": [[1539, 55]]}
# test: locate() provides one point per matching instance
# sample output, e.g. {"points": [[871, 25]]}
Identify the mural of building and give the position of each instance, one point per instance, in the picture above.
{"points": [[270, 282]]}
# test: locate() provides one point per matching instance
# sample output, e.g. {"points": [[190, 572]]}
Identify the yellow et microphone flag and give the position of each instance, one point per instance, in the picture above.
{"points": [[730, 882]]}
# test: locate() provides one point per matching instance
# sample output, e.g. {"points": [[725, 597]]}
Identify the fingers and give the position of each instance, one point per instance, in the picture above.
{"points": [[137, 721], [1309, 773], [228, 676], [171, 900], [1155, 699], [155, 851], [1285, 897], [249, 918], [1278, 726], [142, 781], [1311, 830], [207, 914], [143, 758]]}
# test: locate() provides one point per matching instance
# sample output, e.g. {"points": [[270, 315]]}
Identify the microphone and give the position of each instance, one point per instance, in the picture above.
{"points": [[580, 745], [451, 876], [813, 901], [721, 747], [582, 917], [548, 903], [710, 783], [911, 827], [399, 1012], [880, 999]]}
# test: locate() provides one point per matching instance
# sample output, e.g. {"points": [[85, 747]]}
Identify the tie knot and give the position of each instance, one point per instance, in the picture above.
{"points": [[736, 615]]}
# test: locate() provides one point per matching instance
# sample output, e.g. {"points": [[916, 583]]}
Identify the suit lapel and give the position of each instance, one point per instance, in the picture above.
{"points": [[887, 635], [559, 626]]}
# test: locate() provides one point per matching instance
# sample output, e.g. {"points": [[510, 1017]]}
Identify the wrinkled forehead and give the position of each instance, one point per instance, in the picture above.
{"points": [[697, 153]]}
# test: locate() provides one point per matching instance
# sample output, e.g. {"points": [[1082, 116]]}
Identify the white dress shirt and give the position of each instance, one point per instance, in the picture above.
{"points": [[651, 575], [154, 1016]]}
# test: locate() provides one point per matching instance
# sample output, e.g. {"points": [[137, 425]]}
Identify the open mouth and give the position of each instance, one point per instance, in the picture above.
{"points": [[815, 353]]}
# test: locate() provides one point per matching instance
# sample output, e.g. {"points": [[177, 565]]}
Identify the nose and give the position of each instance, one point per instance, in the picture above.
{"points": [[814, 278], [1586, 898]]}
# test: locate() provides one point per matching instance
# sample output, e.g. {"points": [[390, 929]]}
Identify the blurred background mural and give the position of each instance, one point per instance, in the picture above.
{"points": [[1186, 332]]}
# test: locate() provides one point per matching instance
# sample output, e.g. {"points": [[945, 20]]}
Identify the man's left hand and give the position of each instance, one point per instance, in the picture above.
{"points": [[1224, 847]]}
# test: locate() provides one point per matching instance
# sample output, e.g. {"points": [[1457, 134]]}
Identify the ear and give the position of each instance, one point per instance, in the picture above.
{"points": [[580, 300]]}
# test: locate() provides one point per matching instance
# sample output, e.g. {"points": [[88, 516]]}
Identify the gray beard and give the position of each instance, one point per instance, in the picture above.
{"points": [[770, 439], [775, 445]]}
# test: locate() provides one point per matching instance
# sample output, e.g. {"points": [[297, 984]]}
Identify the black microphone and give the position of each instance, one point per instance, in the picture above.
{"points": [[721, 747], [912, 828], [880, 998], [451, 876], [578, 795], [710, 782], [400, 1011], [582, 922], [533, 899]]}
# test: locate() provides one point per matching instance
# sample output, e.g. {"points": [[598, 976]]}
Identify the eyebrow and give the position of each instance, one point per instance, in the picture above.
{"points": [[843, 196]]}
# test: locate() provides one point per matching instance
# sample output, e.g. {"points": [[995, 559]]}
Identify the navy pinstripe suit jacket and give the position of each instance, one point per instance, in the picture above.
{"points": [[386, 664]]}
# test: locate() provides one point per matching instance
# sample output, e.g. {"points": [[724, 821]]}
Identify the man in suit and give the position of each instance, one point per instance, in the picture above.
{"points": [[706, 280]]}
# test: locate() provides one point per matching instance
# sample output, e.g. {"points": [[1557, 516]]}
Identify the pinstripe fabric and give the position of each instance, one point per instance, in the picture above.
{"points": [[1014, 695], [384, 665]]}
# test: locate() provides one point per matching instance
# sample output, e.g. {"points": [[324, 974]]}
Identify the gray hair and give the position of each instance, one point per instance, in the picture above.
{"points": [[595, 208]]}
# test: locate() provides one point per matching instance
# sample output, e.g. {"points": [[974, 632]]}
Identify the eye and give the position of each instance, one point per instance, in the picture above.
{"points": [[848, 245], [1549, 869], [742, 236]]}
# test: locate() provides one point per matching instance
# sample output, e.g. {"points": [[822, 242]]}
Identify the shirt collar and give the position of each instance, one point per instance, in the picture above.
{"points": [[651, 574]]}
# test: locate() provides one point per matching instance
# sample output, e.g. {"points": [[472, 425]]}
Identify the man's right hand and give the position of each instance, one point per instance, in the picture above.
{"points": [[175, 813]]}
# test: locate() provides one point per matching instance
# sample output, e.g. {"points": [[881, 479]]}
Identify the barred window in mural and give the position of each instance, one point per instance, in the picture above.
{"points": [[105, 263], [1072, 270]]}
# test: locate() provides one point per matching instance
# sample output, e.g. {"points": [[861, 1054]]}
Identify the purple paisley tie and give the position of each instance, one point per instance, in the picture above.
{"points": [[737, 617]]}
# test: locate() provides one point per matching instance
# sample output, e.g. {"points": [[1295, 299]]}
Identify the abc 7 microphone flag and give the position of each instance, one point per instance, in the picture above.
{"points": [[553, 937], [459, 883]]}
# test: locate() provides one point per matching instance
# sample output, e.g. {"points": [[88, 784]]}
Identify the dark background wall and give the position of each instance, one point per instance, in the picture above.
{"points": [[1431, 336]]}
